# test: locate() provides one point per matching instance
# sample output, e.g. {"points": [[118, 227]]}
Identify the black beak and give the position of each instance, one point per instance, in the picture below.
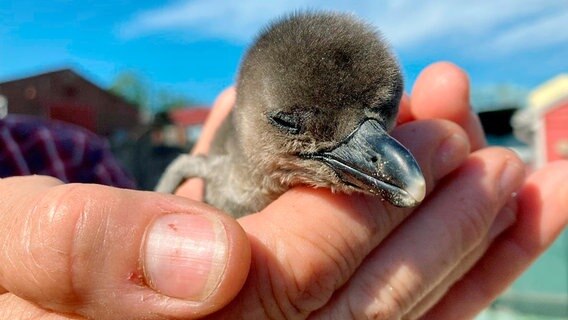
{"points": [[371, 160]]}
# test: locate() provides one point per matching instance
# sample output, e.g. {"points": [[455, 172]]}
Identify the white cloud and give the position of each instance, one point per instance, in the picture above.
{"points": [[406, 23], [547, 31], [232, 20]]}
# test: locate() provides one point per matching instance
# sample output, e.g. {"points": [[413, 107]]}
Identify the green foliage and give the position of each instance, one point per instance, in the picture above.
{"points": [[170, 100], [135, 89], [132, 88]]}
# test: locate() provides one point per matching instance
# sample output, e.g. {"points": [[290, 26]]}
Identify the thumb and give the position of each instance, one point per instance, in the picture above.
{"points": [[103, 252]]}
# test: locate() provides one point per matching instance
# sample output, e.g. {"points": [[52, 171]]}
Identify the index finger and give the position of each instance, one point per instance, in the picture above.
{"points": [[193, 188], [221, 108], [442, 92]]}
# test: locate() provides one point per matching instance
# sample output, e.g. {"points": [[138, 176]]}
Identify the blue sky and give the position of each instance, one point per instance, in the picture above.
{"points": [[194, 46]]}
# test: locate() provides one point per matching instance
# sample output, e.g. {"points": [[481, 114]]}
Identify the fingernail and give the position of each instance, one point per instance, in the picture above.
{"points": [[504, 219], [510, 177], [450, 151], [185, 255]]}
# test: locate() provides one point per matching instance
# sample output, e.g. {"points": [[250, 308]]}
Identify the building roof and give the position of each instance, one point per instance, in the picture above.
{"points": [[69, 73], [549, 93], [189, 116], [67, 95], [545, 98]]}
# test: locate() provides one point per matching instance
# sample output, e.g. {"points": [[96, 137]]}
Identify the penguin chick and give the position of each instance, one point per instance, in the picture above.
{"points": [[317, 94]]}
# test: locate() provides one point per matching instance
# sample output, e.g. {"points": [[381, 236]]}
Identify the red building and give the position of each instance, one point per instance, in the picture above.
{"points": [[65, 95], [544, 123], [189, 121], [552, 133]]}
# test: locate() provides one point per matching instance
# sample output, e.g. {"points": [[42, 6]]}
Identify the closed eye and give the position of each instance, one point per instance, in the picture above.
{"points": [[386, 111], [285, 121], [375, 109]]}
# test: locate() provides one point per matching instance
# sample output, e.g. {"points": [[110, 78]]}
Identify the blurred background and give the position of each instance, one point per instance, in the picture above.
{"points": [[143, 74]]}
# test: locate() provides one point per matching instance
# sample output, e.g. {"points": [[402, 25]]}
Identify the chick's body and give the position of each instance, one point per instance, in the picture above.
{"points": [[316, 95]]}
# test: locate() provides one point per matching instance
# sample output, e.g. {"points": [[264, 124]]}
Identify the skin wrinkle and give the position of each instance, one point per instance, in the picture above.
{"points": [[469, 259], [74, 190], [382, 309], [55, 201], [354, 302], [296, 311], [376, 223], [380, 222], [438, 289], [312, 295], [38, 266], [25, 243], [83, 223], [480, 291], [283, 297], [275, 293], [99, 231], [301, 293], [56, 204], [278, 246], [4, 244], [260, 268], [387, 221], [476, 224], [104, 229], [18, 311], [80, 225], [351, 260], [43, 232], [263, 303], [406, 276], [318, 297], [329, 255], [351, 313], [485, 206]]}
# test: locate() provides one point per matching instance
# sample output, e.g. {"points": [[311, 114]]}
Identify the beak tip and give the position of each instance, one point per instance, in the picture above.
{"points": [[417, 190]]}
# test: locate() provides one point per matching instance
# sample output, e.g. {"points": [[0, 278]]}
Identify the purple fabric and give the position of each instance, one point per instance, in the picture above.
{"points": [[30, 145]]}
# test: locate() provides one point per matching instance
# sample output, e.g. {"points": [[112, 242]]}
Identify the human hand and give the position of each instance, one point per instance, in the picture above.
{"points": [[80, 251], [313, 252], [540, 212], [339, 256]]}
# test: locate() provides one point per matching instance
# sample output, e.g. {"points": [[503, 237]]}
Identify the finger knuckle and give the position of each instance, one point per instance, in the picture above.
{"points": [[475, 220], [48, 239], [311, 288], [302, 276], [369, 304]]}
